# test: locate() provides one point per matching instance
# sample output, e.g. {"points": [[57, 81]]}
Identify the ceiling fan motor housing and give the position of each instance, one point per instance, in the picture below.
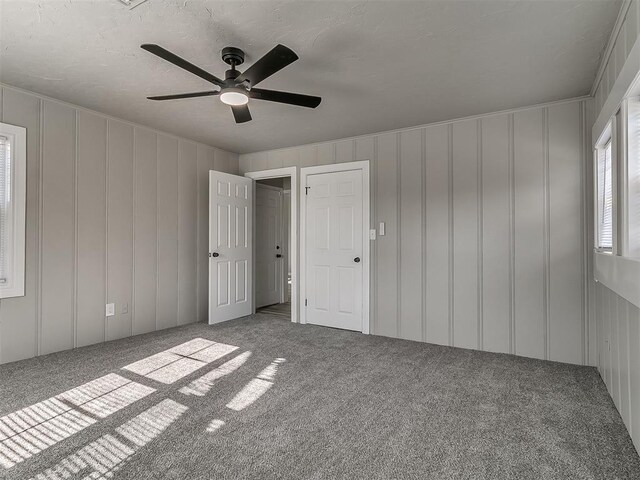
{"points": [[232, 56]]}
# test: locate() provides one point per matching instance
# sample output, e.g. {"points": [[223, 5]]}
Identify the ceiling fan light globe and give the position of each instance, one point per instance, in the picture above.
{"points": [[234, 97]]}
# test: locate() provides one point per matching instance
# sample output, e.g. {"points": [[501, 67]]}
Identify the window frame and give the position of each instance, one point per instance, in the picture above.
{"points": [[608, 137], [630, 247], [18, 170]]}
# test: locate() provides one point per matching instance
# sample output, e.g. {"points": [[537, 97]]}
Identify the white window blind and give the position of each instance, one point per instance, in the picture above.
{"points": [[5, 208], [605, 198], [633, 175]]}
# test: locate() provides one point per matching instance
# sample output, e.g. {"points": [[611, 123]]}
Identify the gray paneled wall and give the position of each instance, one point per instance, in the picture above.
{"points": [[486, 226], [618, 327], [115, 213]]}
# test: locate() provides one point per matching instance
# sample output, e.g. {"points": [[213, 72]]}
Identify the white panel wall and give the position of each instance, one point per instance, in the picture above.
{"points": [[57, 227], [438, 215], [476, 253], [616, 321], [497, 236], [91, 195], [19, 324], [187, 233], [619, 355], [119, 227], [411, 205], [531, 315], [115, 212], [145, 244], [467, 313]]}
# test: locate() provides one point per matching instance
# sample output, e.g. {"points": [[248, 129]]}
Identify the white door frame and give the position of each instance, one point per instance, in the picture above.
{"points": [[366, 200], [286, 241], [278, 173], [281, 233]]}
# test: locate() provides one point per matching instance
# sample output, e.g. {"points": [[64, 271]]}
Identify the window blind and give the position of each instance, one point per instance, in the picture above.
{"points": [[605, 198], [5, 203], [633, 172]]}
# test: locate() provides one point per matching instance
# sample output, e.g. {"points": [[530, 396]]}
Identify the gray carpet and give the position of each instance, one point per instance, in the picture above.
{"points": [[314, 403]]}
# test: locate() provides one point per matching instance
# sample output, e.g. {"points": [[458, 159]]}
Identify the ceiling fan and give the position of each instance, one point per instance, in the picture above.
{"points": [[237, 88]]}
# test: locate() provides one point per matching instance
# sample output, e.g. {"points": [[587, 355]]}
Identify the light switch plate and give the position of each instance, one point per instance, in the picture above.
{"points": [[125, 308], [372, 234], [381, 230], [110, 310]]}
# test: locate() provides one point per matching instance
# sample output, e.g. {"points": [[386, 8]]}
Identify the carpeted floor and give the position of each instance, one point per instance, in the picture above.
{"points": [[306, 403]]}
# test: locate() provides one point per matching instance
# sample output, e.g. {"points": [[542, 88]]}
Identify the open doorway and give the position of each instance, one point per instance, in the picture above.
{"points": [[272, 238], [275, 243]]}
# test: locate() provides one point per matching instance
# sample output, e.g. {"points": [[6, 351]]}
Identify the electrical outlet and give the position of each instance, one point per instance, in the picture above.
{"points": [[372, 234], [125, 308], [110, 310]]}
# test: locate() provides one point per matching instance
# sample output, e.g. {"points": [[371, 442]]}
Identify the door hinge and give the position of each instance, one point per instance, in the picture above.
{"points": [[306, 190], [306, 302]]}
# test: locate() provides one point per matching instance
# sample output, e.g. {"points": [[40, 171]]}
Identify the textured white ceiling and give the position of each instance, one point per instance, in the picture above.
{"points": [[378, 65]]}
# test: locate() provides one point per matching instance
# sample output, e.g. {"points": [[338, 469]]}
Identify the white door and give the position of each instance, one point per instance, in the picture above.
{"points": [[269, 246], [230, 246], [334, 249]]}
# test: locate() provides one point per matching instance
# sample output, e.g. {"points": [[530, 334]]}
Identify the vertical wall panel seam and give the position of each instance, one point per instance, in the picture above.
{"points": [[546, 232], [104, 273], [74, 339], [197, 230], [134, 167], [40, 229], [617, 302], [628, 363], [598, 295], [2, 120], [584, 293], [608, 316], [157, 236], [423, 215], [480, 240], [399, 234], [451, 231], [197, 251], [512, 237], [106, 228], [155, 290], [375, 244], [178, 233], [198, 236]]}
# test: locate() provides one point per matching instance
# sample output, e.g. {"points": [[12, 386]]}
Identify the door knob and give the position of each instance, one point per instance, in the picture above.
{"points": [[214, 254], [278, 256], [357, 259]]}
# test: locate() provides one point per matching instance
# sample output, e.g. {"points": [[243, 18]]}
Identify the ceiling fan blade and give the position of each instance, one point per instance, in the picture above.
{"points": [[183, 95], [241, 113], [274, 60], [285, 97], [181, 62]]}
